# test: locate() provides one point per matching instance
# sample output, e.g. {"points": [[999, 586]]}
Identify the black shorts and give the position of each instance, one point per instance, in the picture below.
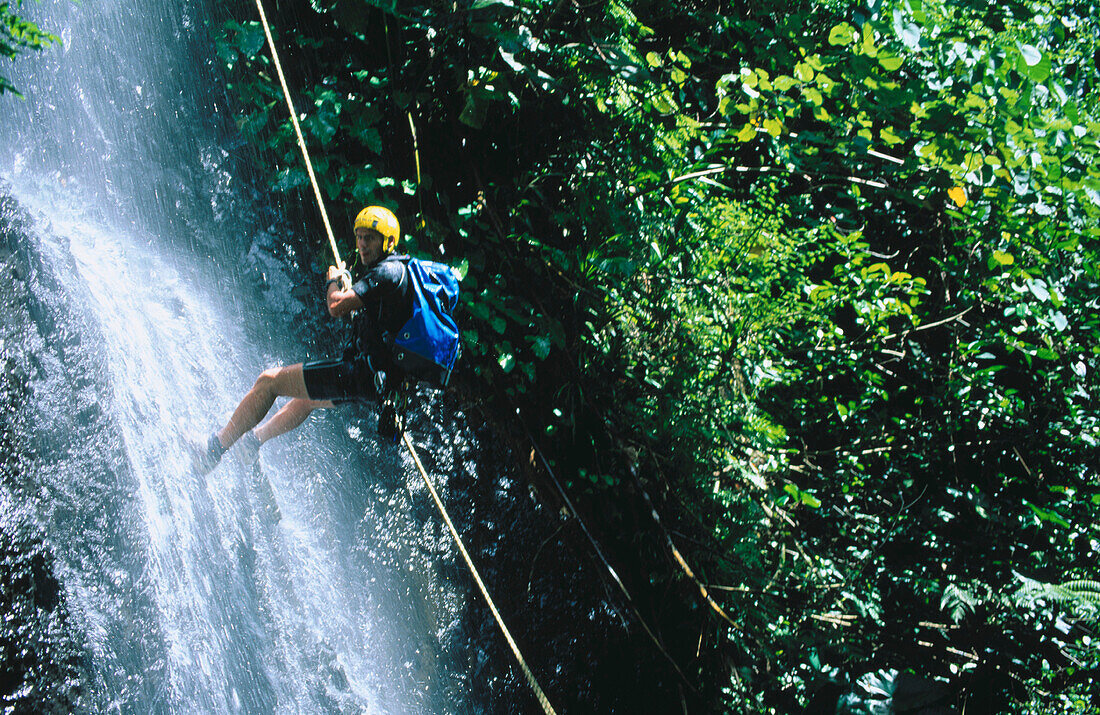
{"points": [[339, 380]]}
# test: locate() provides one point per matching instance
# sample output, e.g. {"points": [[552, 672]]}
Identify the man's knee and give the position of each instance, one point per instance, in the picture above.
{"points": [[276, 381], [268, 380]]}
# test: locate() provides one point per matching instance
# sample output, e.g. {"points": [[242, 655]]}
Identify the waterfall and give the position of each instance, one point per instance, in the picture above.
{"points": [[146, 285]]}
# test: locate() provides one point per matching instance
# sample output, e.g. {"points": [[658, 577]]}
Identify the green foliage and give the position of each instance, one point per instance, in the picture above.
{"points": [[1083, 594], [826, 274], [18, 35]]}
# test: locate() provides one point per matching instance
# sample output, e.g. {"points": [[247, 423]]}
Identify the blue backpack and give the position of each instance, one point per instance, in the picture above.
{"points": [[427, 345]]}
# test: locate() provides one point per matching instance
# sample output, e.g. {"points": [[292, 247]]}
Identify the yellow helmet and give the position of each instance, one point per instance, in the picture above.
{"points": [[382, 220]]}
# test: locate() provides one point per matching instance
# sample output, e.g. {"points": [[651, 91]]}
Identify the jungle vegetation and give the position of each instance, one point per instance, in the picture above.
{"points": [[816, 280]]}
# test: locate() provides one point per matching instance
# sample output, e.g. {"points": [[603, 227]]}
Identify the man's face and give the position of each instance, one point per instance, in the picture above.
{"points": [[369, 244]]}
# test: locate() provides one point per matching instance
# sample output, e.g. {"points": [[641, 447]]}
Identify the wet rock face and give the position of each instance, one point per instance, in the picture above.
{"points": [[41, 667], [41, 662]]}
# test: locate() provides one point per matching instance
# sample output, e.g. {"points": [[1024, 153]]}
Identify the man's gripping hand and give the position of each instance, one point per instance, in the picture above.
{"points": [[341, 299], [340, 276]]}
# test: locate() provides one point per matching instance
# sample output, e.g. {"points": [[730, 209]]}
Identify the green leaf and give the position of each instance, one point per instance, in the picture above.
{"points": [[1000, 258], [473, 112], [1041, 70], [889, 62], [841, 34], [251, 38], [1047, 515], [540, 345], [889, 136], [910, 34], [747, 133], [868, 46], [802, 497], [1031, 54], [783, 82]]}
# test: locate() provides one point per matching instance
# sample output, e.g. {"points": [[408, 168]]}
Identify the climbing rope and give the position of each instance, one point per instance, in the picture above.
{"points": [[302, 142], [546, 706], [527, 673]]}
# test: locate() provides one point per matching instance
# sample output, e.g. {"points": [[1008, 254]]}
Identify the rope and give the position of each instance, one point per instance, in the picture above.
{"points": [[530, 676], [610, 569], [546, 706], [416, 155], [301, 141]]}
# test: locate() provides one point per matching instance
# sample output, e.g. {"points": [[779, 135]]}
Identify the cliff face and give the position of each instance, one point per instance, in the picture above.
{"points": [[41, 654]]}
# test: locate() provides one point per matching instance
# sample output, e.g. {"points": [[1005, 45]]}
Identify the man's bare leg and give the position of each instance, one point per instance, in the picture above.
{"points": [[288, 417], [276, 382]]}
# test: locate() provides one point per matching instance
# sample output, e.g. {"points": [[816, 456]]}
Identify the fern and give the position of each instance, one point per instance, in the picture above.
{"points": [[1082, 593], [958, 602], [1084, 590]]}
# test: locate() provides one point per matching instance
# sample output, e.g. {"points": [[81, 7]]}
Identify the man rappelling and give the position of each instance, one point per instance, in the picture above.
{"points": [[373, 367]]}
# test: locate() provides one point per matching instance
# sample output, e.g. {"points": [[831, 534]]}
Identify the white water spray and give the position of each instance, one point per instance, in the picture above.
{"points": [[286, 589]]}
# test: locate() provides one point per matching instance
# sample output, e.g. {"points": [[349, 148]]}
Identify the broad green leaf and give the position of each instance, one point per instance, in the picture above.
{"points": [[1047, 515], [783, 82], [889, 62], [1031, 55], [841, 34], [251, 38], [1041, 70], [868, 46], [889, 136], [541, 346], [908, 32]]}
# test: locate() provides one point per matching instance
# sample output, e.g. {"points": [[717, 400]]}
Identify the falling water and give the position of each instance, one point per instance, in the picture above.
{"points": [[148, 286]]}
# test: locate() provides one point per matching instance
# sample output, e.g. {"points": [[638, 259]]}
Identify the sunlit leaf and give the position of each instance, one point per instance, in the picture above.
{"points": [[1031, 55]]}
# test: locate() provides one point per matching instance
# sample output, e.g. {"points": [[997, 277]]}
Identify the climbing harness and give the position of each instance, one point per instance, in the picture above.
{"points": [[527, 673]]}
